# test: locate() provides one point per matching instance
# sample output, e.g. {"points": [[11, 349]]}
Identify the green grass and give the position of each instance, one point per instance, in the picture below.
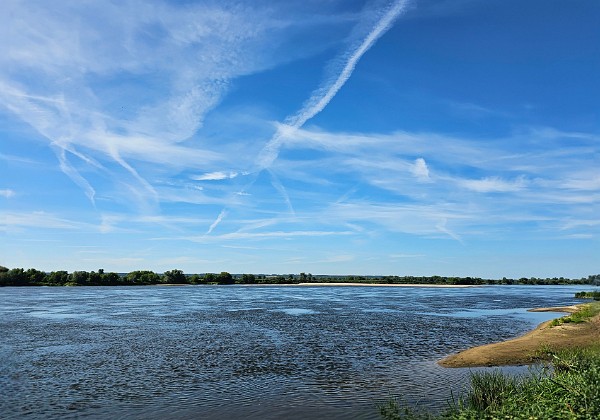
{"points": [[586, 312], [565, 386]]}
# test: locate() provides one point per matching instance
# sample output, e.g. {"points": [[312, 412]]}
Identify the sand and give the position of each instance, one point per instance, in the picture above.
{"points": [[521, 350]]}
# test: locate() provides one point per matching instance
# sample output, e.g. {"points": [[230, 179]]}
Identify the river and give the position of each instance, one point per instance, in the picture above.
{"points": [[247, 352]]}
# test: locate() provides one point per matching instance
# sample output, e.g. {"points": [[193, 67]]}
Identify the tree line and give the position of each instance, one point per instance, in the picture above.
{"points": [[33, 277]]}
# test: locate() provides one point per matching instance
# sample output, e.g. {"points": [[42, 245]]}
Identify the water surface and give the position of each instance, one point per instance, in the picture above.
{"points": [[232, 352]]}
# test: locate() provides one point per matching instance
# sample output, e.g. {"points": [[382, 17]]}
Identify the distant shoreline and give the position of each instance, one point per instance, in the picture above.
{"points": [[453, 286], [336, 284], [522, 350]]}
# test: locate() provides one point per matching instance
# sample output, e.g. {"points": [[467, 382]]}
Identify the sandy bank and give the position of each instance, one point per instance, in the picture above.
{"points": [[521, 350], [387, 285]]}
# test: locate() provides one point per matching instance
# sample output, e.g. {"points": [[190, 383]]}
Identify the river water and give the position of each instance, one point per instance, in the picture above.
{"points": [[243, 352]]}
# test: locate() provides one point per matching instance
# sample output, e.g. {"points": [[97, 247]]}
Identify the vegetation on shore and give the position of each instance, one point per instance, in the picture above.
{"points": [[588, 295], [584, 313], [33, 277], [565, 385]]}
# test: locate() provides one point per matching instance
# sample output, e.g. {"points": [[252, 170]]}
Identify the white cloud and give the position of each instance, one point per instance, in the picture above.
{"points": [[37, 219], [266, 235], [339, 75], [586, 184], [420, 170], [122, 81], [7, 193], [216, 222], [340, 71], [493, 184], [214, 176]]}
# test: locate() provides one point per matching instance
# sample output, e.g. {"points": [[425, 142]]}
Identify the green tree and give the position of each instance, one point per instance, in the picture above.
{"points": [[36, 277], [210, 278], [3, 276], [248, 279], [109, 279], [58, 278], [79, 278], [225, 278], [140, 277], [175, 277]]}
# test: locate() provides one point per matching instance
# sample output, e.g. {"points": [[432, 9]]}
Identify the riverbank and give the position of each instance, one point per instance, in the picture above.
{"points": [[522, 350], [389, 285]]}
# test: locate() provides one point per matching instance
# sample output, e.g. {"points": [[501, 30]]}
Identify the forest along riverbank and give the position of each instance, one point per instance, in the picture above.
{"points": [[456, 286], [522, 350]]}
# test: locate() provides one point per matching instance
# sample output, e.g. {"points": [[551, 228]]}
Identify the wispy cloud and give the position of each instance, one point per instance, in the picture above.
{"points": [[109, 83], [339, 73], [493, 184], [420, 170], [267, 235], [7, 193], [214, 176], [37, 219]]}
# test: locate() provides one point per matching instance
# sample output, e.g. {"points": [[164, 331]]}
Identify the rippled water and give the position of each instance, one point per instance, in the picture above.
{"points": [[246, 352]]}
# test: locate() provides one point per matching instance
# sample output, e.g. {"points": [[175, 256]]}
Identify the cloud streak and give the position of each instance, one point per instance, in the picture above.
{"points": [[127, 80], [323, 95], [7, 193]]}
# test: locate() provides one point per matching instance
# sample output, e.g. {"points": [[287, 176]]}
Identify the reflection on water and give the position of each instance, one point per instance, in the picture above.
{"points": [[246, 352]]}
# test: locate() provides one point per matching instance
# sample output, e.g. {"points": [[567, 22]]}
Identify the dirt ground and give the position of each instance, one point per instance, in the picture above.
{"points": [[521, 350]]}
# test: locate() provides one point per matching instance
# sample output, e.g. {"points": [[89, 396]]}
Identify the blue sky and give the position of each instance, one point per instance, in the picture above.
{"points": [[420, 137]]}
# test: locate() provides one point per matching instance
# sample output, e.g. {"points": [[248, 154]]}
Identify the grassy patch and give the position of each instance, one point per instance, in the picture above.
{"points": [[586, 312], [565, 386]]}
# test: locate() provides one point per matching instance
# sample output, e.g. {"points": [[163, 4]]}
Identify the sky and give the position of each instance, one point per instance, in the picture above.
{"points": [[349, 137]]}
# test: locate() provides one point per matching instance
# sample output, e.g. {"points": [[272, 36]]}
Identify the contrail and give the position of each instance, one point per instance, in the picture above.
{"points": [[275, 182], [321, 96], [217, 221], [72, 173]]}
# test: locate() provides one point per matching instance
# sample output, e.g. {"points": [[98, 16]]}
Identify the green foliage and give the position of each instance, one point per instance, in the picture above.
{"points": [[196, 279], [588, 295], [142, 277], [489, 390], [565, 386], [58, 278], [175, 277], [582, 315], [210, 278], [33, 277], [225, 278], [246, 279]]}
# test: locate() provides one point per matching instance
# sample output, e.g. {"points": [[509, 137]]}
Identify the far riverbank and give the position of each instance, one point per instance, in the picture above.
{"points": [[388, 285]]}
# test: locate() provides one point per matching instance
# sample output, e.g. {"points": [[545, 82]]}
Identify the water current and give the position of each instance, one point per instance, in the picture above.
{"points": [[243, 352]]}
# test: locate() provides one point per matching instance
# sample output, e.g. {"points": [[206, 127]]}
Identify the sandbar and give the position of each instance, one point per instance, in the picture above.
{"points": [[522, 350]]}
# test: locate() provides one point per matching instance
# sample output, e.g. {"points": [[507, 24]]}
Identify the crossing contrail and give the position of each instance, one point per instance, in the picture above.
{"points": [[321, 96]]}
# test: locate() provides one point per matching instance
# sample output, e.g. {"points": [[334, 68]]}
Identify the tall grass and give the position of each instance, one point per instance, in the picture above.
{"points": [[565, 386]]}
